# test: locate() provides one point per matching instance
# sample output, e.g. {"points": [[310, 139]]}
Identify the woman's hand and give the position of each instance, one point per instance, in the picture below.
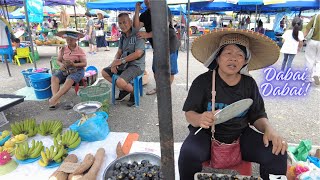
{"points": [[138, 6], [143, 35], [70, 63], [279, 145], [63, 67], [207, 119]]}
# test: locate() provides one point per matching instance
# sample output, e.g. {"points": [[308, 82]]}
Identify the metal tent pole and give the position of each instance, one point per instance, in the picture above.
{"points": [[181, 35], [75, 17], [188, 26], [29, 30], [5, 58], [160, 31], [255, 19]]}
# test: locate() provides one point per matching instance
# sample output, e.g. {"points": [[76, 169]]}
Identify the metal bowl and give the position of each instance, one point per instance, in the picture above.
{"points": [[87, 107], [138, 157]]}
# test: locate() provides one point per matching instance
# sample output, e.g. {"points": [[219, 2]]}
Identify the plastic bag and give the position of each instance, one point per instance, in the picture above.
{"points": [[94, 129], [302, 151], [314, 160]]}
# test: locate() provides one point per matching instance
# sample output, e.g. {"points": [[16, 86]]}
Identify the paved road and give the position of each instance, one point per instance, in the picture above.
{"points": [[295, 117]]}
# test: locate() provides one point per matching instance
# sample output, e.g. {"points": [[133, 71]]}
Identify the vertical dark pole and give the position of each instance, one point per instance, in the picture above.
{"points": [[160, 31], [75, 17], [29, 31], [188, 20], [5, 58]]}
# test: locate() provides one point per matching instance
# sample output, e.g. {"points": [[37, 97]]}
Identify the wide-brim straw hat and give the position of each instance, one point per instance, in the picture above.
{"points": [[263, 50], [70, 33]]}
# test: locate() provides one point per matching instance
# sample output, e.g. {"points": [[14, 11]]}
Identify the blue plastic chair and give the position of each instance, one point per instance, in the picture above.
{"points": [[7, 50], [271, 34], [137, 87]]}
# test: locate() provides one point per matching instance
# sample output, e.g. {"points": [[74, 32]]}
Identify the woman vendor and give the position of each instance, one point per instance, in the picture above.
{"points": [[72, 61], [229, 54]]}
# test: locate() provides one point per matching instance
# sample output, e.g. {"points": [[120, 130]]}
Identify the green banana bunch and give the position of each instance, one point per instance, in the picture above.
{"points": [[27, 127], [53, 153], [52, 128], [70, 139], [35, 149], [21, 151]]}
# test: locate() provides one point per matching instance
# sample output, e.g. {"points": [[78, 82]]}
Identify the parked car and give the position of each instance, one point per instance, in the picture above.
{"points": [[202, 22]]}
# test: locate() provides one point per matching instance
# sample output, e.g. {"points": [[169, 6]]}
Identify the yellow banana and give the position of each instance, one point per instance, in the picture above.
{"points": [[44, 157], [43, 163]]}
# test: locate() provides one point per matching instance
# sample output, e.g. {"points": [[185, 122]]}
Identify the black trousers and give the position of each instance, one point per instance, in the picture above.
{"points": [[196, 149]]}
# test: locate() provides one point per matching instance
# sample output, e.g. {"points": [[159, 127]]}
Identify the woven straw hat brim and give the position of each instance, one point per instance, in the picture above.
{"points": [[264, 51], [62, 32]]}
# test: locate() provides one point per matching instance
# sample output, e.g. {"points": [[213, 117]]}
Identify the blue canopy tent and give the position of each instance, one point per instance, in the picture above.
{"points": [[213, 6], [46, 3], [296, 5], [125, 5], [19, 13], [13, 15]]}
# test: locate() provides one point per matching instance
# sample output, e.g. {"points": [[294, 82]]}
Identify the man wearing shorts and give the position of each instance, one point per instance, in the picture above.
{"points": [[145, 20], [91, 34], [129, 60]]}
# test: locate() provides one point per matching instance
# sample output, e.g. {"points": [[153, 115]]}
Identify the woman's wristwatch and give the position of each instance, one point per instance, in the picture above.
{"points": [[123, 60]]}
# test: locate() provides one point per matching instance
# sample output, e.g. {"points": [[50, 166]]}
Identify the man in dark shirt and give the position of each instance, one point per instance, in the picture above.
{"points": [[145, 21]]}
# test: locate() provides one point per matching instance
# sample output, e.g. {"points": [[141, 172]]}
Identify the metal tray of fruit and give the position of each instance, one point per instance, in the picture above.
{"points": [[130, 159], [215, 176]]}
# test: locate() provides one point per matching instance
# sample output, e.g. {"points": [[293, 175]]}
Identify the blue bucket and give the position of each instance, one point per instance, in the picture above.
{"points": [[26, 73], [41, 82]]}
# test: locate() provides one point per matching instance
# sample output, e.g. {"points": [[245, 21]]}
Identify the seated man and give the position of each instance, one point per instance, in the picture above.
{"points": [[129, 60], [72, 61]]}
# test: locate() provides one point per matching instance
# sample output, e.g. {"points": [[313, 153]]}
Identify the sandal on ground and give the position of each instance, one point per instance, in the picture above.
{"points": [[53, 107], [151, 92], [68, 105]]}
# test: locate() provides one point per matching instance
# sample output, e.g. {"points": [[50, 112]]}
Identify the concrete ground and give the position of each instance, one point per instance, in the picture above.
{"points": [[295, 117]]}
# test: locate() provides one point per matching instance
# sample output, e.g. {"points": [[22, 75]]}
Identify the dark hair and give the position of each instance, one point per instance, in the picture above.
{"points": [[260, 23], [123, 14], [296, 23], [16, 40], [88, 14]]}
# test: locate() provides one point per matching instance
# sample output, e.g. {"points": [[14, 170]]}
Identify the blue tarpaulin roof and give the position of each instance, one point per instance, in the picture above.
{"points": [[46, 2], [129, 5], [250, 2], [290, 5], [124, 5]]}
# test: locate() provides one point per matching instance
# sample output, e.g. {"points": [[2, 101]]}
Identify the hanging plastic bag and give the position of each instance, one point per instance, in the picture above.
{"points": [[94, 129]]}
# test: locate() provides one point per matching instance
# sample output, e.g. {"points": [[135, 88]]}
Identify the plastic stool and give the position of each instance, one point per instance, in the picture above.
{"points": [[77, 85], [244, 168], [137, 87]]}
